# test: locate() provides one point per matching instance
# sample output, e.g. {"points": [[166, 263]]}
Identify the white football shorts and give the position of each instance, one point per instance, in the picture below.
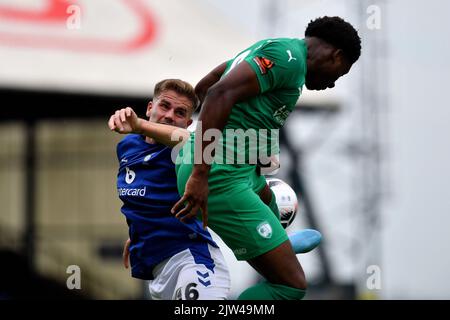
{"points": [[191, 275]]}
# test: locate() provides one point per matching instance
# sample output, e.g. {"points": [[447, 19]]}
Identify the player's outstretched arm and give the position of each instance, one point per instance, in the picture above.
{"points": [[239, 84], [126, 121]]}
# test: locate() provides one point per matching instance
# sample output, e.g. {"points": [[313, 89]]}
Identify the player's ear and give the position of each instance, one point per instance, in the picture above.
{"points": [[338, 56], [149, 109]]}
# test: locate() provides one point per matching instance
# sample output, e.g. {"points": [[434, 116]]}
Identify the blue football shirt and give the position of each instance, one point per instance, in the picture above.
{"points": [[146, 184]]}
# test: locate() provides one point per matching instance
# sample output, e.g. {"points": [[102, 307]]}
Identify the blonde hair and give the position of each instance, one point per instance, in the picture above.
{"points": [[179, 86]]}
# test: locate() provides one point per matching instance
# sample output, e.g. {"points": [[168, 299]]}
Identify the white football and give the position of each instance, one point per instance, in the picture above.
{"points": [[286, 198]]}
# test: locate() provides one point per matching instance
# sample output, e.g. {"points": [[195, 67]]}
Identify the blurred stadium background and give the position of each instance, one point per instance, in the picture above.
{"points": [[369, 159]]}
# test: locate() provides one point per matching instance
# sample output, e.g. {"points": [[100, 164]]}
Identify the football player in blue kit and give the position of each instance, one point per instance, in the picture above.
{"points": [[180, 260]]}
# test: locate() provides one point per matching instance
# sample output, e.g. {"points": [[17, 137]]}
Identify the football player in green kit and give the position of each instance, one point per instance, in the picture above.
{"points": [[256, 91]]}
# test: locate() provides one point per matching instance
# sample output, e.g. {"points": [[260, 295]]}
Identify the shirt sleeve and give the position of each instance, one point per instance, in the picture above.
{"points": [[274, 68]]}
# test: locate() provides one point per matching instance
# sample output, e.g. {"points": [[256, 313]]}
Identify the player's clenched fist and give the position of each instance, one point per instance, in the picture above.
{"points": [[125, 121]]}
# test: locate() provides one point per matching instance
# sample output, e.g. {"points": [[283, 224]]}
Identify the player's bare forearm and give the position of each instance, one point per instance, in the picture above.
{"points": [[208, 81], [238, 85], [163, 133], [126, 121], [214, 115]]}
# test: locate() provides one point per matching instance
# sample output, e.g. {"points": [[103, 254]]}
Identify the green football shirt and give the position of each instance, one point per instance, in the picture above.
{"points": [[280, 66]]}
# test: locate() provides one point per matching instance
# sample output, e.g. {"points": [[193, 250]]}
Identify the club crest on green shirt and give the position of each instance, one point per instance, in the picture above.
{"points": [[265, 230]]}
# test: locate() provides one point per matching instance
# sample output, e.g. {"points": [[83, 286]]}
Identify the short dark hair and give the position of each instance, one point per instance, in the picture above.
{"points": [[338, 33], [179, 86]]}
